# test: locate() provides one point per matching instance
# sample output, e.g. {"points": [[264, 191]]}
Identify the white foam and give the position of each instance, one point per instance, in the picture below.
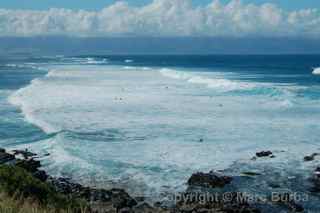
{"points": [[19, 65], [316, 71], [89, 61], [128, 60], [129, 68], [53, 73], [94, 61], [28, 110], [11, 65], [136, 68], [26, 65], [175, 74], [147, 127], [215, 83]]}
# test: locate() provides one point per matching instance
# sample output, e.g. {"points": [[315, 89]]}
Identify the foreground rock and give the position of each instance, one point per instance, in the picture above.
{"points": [[25, 154], [195, 202], [210, 180], [315, 179], [5, 157], [201, 196], [41, 175], [115, 198], [205, 201], [286, 200], [30, 165], [250, 174]]}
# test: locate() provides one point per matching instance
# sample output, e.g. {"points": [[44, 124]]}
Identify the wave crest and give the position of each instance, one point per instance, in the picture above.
{"points": [[316, 71], [221, 84]]}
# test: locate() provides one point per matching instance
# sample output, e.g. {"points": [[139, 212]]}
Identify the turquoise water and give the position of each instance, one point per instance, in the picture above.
{"points": [[148, 122]]}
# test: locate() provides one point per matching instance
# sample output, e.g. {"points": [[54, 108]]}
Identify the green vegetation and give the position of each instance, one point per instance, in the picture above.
{"points": [[21, 192]]}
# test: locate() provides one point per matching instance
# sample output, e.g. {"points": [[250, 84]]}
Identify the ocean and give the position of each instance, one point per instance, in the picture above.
{"points": [[147, 123]]}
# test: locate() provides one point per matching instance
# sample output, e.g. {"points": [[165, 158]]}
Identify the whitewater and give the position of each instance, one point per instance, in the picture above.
{"points": [[316, 71], [108, 122], [154, 128]]}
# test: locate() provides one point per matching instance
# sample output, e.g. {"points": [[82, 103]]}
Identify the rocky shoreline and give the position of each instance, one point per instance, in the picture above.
{"points": [[204, 193]]}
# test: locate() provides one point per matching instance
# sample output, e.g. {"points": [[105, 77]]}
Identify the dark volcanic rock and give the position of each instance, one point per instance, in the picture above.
{"points": [[264, 154], [294, 207], [144, 208], [209, 180], [194, 202], [41, 175], [120, 199], [30, 165], [100, 195], [24, 153], [250, 173], [274, 185], [254, 158], [286, 200], [315, 179], [64, 186], [117, 198], [5, 157], [310, 157], [2, 150], [140, 199]]}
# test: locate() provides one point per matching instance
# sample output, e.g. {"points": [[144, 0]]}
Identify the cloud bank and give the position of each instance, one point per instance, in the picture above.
{"points": [[165, 18]]}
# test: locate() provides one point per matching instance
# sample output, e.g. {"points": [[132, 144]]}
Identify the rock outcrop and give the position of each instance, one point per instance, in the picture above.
{"points": [[216, 203], [209, 180], [315, 179], [310, 157], [5, 157], [264, 154], [118, 200], [287, 201]]}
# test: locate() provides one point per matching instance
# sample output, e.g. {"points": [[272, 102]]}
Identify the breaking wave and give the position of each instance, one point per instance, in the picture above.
{"points": [[214, 83], [316, 71]]}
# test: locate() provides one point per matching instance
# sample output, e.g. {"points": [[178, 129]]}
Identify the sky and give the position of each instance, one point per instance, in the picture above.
{"points": [[161, 18], [99, 4]]}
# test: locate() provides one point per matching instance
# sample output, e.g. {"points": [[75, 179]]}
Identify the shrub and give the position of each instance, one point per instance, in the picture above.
{"points": [[19, 184]]}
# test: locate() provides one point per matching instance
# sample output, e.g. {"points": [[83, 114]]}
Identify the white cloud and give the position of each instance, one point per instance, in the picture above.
{"points": [[164, 18]]}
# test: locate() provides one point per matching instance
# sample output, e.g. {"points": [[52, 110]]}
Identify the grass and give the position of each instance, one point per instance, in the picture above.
{"points": [[18, 205], [21, 192]]}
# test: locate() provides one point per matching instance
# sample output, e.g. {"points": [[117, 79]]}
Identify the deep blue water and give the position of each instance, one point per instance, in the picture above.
{"points": [[269, 68]]}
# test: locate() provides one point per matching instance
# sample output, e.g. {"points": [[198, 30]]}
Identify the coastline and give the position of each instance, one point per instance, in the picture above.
{"points": [[207, 192], [242, 176]]}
